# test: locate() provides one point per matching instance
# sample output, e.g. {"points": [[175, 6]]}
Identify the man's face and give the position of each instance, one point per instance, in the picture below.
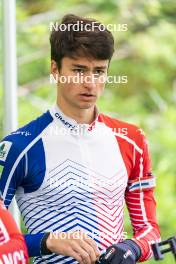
{"points": [[84, 81]]}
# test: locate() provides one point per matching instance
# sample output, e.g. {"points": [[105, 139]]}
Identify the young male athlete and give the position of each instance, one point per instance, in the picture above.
{"points": [[12, 245], [74, 168]]}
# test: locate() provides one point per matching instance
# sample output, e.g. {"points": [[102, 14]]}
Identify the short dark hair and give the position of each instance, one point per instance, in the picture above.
{"points": [[96, 42]]}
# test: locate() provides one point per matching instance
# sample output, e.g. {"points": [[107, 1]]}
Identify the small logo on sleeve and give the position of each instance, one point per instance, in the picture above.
{"points": [[1, 170], [4, 149]]}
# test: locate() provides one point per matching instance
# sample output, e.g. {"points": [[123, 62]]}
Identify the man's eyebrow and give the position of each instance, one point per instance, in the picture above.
{"points": [[80, 66], [85, 67], [101, 67]]}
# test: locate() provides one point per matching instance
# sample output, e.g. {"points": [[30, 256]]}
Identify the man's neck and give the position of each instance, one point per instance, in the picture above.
{"points": [[81, 116]]}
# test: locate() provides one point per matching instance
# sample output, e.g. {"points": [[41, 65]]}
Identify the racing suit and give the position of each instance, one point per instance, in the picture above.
{"points": [[69, 176]]}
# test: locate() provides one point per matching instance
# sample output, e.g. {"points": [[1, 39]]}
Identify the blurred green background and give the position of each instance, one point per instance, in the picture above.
{"points": [[145, 53]]}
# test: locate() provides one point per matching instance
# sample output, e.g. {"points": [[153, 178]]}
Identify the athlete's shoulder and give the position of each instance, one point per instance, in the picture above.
{"points": [[18, 140], [31, 130], [118, 125]]}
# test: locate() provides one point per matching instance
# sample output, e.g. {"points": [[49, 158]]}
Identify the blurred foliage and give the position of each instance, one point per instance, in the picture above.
{"points": [[145, 53]]}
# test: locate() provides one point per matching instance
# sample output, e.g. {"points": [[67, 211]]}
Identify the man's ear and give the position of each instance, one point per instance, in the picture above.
{"points": [[54, 69]]}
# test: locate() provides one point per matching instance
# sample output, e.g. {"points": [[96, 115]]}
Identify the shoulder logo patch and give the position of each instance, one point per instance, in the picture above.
{"points": [[1, 170], [4, 149]]}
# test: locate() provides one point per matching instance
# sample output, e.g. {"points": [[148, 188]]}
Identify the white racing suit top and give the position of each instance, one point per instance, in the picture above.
{"points": [[69, 176]]}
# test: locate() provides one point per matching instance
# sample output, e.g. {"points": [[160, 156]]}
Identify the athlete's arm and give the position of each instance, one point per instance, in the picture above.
{"points": [[140, 200], [12, 244], [12, 173]]}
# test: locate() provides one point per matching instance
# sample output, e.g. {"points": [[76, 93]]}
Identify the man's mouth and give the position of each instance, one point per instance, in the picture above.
{"points": [[87, 95]]}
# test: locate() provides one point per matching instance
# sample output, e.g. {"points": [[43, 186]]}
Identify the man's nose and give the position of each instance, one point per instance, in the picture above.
{"points": [[90, 81]]}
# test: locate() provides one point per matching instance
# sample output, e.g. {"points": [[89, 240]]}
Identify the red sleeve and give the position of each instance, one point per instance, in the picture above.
{"points": [[12, 245], [140, 199], [139, 193]]}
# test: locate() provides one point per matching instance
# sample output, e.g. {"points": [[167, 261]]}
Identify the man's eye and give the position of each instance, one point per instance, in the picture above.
{"points": [[99, 72], [78, 70]]}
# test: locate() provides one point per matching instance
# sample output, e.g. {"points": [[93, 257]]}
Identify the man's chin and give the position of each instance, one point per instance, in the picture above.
{"points": [[87, 105]]}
